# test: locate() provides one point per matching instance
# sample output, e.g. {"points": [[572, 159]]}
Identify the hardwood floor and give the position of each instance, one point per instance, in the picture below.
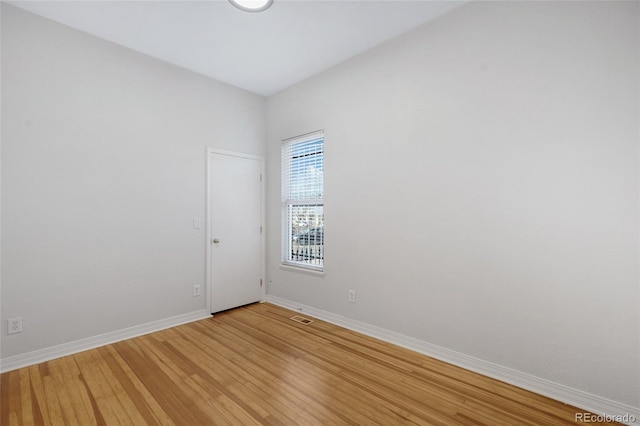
{"points": [[255, 366]]}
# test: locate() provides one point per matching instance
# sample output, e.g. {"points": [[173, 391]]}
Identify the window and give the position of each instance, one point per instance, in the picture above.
{"points": [[303, 201]]}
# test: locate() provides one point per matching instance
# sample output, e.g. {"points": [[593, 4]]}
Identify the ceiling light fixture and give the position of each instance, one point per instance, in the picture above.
{"points": [[252, 5]]}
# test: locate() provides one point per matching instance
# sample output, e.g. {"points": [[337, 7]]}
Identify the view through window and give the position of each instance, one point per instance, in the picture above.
{"points": [[302, 201]]}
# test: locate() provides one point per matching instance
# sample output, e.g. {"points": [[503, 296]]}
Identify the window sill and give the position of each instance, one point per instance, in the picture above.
{"points": [[293, 268]]}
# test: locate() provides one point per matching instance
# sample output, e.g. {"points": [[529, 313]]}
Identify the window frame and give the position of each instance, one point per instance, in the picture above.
{"points": [[287, 203]]}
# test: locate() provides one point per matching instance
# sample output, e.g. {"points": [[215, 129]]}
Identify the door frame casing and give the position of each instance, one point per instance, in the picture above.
{"points": [[209, 235]]}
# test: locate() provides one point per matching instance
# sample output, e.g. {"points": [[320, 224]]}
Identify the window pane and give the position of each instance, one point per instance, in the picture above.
{"points": [[306, 234], [306, 169]]}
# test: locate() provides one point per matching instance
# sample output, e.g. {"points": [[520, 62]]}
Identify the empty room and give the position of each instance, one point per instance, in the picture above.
{"points": [[289, 212]]}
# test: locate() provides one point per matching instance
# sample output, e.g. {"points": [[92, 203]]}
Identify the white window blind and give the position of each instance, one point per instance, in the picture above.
{"points": [[303, 201]]}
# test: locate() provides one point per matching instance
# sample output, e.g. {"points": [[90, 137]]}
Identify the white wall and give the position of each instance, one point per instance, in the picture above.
{"points": [[103, 170], [481, 180]]}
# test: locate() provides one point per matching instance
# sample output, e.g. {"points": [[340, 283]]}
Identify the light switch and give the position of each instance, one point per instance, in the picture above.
{"points": [[196, 223]]}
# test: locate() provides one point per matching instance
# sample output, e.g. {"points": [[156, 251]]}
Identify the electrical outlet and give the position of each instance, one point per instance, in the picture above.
{"points": [[352, 296], [14, 325], [196, 290]]}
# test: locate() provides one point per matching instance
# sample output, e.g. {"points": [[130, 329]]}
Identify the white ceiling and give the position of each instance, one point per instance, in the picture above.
{"points": [[260, 52]]}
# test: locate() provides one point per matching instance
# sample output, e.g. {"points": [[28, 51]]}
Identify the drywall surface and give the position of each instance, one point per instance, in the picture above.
{"points": [[481, 184], [103, 171]]}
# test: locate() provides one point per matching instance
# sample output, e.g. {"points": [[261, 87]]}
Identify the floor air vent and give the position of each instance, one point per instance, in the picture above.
{"points": [[301, 320]]}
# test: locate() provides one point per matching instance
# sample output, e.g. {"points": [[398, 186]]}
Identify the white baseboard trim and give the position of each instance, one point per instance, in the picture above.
{"points": [[589, 402], [46, 354]]}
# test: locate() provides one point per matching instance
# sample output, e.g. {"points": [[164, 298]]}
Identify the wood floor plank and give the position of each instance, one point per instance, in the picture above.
{"points": [[164, 385], [137, 401], [5, 395], [269, 414], [123, 395], [15, 404], [37, 394], [99, 388], [255, 366], [69, 378], [142, 396], [25, 397], [52, 397], [61, 389]]}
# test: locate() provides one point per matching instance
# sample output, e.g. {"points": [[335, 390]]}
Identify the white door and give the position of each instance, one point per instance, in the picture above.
{"points": [[236, 240]]}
